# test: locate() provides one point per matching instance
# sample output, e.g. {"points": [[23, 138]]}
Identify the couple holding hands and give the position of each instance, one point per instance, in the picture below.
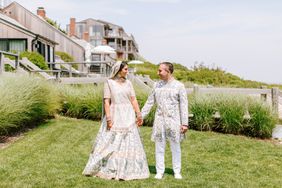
{"points": [[118, 152]]}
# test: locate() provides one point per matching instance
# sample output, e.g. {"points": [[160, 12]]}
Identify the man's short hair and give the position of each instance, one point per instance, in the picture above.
{"points": [[169, 65]]}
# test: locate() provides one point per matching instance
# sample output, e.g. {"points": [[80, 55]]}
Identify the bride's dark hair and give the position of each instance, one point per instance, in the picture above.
{"points": [[122, 65]]}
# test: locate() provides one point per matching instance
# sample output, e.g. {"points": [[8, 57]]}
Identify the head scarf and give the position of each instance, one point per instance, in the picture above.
{"points": [[115, 69]]}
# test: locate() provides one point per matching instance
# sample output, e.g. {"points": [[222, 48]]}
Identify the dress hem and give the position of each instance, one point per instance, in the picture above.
{"points": [[109, 177]]}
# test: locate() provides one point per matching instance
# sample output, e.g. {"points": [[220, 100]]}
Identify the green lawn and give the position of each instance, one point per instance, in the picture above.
{"points": [[55, 154]]}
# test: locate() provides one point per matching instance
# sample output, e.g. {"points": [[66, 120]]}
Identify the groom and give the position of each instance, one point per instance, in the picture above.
{"points": [[171, 118]]}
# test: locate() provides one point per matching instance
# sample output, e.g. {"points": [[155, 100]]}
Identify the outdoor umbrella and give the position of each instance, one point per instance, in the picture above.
{"points": [[135, 62], [103, 49]]}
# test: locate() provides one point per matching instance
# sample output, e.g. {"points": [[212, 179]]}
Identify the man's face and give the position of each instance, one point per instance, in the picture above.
{"points": [[163, 72]]}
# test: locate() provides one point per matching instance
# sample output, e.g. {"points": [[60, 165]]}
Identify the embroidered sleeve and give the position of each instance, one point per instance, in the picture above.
{"points": [[183, 102], [132, 92], [149, 104]]}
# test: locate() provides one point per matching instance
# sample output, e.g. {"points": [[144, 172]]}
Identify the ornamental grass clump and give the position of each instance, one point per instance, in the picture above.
{"points": [[202, 108], [25, 101], [81, 101], [233, 114], [262, 121], [142, 96]]}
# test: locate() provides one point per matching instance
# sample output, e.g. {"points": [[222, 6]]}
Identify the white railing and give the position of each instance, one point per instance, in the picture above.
{"points": [[2, 66], [274, 93]]}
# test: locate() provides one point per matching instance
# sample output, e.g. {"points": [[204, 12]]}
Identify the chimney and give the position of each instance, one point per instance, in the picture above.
{"points": [[86, 36], [72, 27], [41, 12]]}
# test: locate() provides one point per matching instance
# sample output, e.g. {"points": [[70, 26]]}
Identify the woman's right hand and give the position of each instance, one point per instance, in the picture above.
{"points": [[109, 124]]}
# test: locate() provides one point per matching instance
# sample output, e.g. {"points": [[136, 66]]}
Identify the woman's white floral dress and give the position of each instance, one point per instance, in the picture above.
{"points": [[118, 153]]}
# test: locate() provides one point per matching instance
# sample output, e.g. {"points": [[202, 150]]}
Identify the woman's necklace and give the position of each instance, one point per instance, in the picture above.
{"points": [[119, 79]]}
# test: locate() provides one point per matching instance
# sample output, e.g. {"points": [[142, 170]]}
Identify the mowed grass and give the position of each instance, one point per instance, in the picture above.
{"points": [[55, 153]]}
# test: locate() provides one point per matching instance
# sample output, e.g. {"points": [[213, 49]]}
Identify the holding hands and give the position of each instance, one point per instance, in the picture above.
{"points": [[184, 128], [109, 123], [139, 119]]}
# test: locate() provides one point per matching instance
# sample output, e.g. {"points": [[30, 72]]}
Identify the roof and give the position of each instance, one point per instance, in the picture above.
{"points": [[7, 20], [44, 21], [101, 21], [82, 42], [108, 23], [12, 21]]}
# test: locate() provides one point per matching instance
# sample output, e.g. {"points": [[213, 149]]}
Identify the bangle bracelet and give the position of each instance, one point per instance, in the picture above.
{"points": [[139, 114], [108, 118]]}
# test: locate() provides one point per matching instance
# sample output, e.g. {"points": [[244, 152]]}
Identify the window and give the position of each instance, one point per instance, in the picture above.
{"points": [[95, 57], [96, 42], [4, 45], [11, 45], [79, 30], [97, 30]]}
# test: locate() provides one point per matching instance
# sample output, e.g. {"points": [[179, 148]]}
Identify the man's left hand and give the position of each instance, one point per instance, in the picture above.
{"points": [[184, 128]]}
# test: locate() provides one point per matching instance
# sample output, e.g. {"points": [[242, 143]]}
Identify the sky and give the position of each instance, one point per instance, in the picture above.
{"points": [[243, 37]]}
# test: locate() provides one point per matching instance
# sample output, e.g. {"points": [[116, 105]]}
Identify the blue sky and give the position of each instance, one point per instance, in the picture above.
{"points": [[243, 37]]}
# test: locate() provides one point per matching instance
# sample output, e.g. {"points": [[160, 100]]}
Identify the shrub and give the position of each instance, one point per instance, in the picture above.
{"points": [[25, 101], [66, 58], [202, 109], [35, 58], [9, 68], [86, 102], [262, 122], [142, 96], [200, 74], [232, 109], [82, 101]]}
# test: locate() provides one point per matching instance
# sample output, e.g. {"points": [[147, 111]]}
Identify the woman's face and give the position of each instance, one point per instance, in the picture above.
{"points": [[124, 71]]}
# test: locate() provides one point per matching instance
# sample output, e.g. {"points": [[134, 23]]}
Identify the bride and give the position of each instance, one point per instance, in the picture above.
{"points": [[118, 151]]}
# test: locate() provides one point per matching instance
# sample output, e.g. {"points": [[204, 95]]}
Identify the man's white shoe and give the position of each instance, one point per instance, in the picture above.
{"points": [[158, 176], [178, 176]]}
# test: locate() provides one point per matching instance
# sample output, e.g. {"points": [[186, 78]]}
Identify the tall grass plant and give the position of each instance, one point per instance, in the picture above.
{"points": [[25, 101], [81, 101]]}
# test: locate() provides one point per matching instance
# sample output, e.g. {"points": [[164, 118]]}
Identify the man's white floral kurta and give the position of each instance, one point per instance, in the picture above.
{"points": [[172, 110]]}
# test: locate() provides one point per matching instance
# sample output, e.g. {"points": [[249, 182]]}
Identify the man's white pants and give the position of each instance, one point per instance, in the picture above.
{"points": [[160, 153]]}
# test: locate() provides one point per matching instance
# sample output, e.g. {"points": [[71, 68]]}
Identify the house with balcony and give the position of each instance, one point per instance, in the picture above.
{"points": [[98, 32]]}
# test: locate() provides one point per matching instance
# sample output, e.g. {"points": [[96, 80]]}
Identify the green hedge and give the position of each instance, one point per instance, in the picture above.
{"points": [[25, 101], [35, 58], [66, 58]]}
